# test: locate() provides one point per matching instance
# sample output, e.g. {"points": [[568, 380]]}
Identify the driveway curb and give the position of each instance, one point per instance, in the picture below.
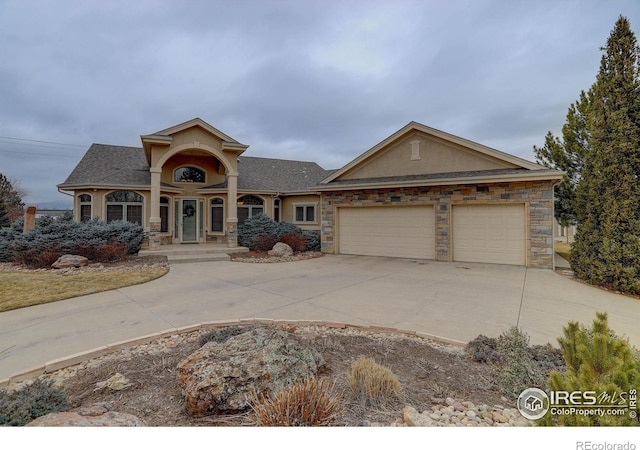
{"points": [[75, 359]]}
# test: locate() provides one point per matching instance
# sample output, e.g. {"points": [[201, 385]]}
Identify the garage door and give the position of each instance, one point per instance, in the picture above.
{"points": [[489, 233], [404, 232]]}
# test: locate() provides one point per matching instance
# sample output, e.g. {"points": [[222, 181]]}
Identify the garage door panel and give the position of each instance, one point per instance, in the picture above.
{"points": [[489, 233], [407, 232]]}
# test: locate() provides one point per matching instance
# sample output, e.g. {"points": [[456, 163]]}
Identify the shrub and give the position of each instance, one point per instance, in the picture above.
{"points": [[372, 383], [295, 240], [313, 240], [22, 406], [517, 370], [596, 360], [94, 240], [259, 231], [222, 335], [308, 403], [517, 365], [264, 243], [483, 349]]}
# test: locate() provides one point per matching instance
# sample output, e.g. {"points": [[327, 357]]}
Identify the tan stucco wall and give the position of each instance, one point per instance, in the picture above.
{"points": [[435, 156], [287, 212], [213, 168]]}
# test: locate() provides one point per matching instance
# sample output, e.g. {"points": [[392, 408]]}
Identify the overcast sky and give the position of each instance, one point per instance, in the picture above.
{"points": [[310, 80]]}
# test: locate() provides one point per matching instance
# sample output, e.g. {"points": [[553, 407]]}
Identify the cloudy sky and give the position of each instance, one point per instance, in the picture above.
{"points": [[301, 79]]}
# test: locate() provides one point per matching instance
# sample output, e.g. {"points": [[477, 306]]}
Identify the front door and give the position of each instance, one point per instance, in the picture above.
{"points": [[189, 221]]}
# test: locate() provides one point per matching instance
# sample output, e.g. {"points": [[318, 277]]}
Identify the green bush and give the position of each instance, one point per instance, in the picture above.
{"points": [[517, 365], [52, 238], [222, 335], [313, 240], [18, 408], [260, 231], [596, 360]]}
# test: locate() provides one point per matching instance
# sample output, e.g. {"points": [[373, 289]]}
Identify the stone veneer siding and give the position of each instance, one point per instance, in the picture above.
{"points": [[537, 196]]}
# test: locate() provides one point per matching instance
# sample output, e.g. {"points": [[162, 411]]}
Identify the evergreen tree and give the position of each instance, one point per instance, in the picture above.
{"points": [[596, 360], [11, 196], [606, 250], [567, 154], [4, 216]]}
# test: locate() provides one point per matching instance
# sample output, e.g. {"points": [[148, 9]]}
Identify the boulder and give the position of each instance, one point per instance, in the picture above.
{"points": [[88, 417], [281, 249], [223, 377], [68, 261]]}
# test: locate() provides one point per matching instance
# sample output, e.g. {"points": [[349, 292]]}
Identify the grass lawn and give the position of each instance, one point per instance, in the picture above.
{"points": [[20, 289], [563, 249]]}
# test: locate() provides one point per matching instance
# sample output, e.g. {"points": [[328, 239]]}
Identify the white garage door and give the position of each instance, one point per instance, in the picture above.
{"points": [[489, 233], [403, 231]]}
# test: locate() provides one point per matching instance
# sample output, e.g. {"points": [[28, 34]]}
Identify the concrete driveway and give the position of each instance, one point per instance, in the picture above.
{"points": [[457, 301]]}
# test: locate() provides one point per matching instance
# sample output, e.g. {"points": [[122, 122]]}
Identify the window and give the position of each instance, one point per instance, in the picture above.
{"points": [[305, 213], [85, 207], [124, 205], [217, 215], [164, 215], [276, 210], [189, 175], [249, 206]]}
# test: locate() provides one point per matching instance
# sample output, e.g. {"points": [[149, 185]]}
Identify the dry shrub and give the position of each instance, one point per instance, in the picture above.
{"points": [[37, 258], [372, 383], [304, 404], [264, 243], [112, 251], [295, 240]]}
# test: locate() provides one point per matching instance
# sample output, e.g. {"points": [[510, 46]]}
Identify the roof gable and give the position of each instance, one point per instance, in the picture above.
{"points": [[420, 150], [197, 122]]}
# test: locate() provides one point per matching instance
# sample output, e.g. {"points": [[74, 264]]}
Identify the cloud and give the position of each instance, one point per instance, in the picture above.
{"points": [[310, 80]]}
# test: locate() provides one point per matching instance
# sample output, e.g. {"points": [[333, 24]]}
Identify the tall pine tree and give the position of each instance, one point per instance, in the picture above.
{"points": [[568, 154], [606, 250]]}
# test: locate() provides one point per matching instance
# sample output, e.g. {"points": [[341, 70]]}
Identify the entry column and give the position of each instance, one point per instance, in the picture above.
{"points": [[155, 220], [232, 210]]}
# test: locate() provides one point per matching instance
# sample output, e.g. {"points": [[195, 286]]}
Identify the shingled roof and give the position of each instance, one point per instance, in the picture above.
{"points": [[111, 165]]}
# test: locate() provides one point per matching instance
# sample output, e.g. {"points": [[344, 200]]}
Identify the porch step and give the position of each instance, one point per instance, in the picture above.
{"points": [[188, 253]]}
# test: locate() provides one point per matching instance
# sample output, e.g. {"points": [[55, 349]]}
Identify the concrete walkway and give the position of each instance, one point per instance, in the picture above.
{"points": [[454, 300]]}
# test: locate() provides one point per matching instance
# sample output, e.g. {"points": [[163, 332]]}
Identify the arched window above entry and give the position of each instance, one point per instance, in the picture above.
{"points": [[189, 174]]}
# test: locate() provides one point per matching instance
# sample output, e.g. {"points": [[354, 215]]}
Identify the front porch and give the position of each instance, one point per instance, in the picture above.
{"points": [[184, 253]]}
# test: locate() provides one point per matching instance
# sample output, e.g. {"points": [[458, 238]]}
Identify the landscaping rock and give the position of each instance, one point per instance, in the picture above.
{"points": [[68, 261], [88, 417], [223, 377], [281, 249]]}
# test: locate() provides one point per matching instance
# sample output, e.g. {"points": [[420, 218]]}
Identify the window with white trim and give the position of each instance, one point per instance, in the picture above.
{"points": [[124, 205], [85, 207], [304, 213], [164, 214], [217, 215], [249, 206]]}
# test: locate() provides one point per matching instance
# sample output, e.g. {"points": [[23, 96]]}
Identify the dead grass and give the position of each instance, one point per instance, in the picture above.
{"points": [[563, 249], [21, 289]]}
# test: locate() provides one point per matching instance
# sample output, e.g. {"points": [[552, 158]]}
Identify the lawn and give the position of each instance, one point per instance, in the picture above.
{"points": [[21, 289], [563, 249]]}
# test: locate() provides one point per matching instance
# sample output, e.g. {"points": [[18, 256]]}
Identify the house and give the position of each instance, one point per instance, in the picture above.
{"points": [[420, 193]]}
